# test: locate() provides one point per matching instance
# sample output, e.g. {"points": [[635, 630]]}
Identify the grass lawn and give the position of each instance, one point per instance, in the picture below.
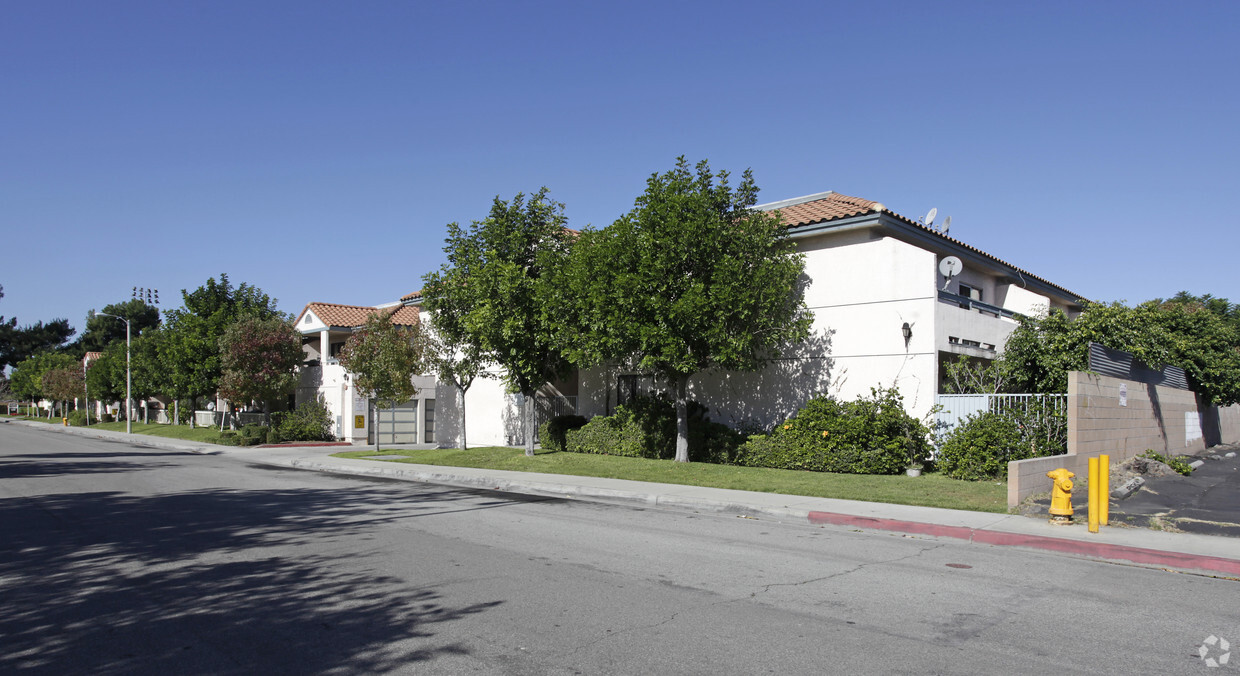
{"points": [[928, 490]]}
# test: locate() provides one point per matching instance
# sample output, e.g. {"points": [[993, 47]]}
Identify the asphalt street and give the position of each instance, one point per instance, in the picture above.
{"points": [[121, 559]]}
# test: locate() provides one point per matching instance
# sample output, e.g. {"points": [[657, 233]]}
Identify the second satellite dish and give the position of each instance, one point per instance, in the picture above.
{"points": [[950, 267], [934, 211]]}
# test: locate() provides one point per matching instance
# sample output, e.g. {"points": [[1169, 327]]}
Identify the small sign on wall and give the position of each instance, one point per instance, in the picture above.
{"points": [[359, 422], [1123, 394]]}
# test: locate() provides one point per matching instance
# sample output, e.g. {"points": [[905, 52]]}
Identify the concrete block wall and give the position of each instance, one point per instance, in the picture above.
{"points": [[1100, 421], [1229, 424]]}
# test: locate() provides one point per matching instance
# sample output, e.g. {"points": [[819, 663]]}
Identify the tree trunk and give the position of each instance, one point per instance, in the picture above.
{"points": [[374, 427], [528, 424], [462, 391], [682, 419]]}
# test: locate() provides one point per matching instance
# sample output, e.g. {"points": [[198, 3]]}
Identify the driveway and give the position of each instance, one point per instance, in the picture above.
{"points": [[1207, 501]]}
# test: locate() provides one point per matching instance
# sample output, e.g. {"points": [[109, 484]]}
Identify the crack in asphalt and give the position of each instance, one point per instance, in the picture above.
{"points": [[859, 567]]}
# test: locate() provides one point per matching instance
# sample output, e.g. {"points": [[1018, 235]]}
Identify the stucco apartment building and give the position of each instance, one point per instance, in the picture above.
{"points": [[885, 314]]}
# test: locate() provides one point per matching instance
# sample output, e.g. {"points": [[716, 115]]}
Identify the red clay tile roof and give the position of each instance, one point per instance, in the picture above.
{"points": [[411, 296], [334, 314], [828, 207]]}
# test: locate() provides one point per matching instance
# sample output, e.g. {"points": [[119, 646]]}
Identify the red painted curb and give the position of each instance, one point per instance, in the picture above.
{"points": [[1100, 550]]}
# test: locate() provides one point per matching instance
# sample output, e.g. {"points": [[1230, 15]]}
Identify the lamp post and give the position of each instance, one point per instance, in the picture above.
{"points": [[128, 377]]}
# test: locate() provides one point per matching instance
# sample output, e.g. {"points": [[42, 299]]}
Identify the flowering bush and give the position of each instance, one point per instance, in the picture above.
{"points": [[869, 435]]}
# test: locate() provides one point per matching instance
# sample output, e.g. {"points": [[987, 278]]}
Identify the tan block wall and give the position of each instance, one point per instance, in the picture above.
{"points": [[1158, 418], [1229, 424]]}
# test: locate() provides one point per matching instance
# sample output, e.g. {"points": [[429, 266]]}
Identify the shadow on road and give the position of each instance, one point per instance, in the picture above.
{"points": [[212, 581]]}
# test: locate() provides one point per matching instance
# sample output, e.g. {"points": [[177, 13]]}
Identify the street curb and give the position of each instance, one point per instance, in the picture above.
{"points": [[1102, 550], [1097, 550], [545, 489]]}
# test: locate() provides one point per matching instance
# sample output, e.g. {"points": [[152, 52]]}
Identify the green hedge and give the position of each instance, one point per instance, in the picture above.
{"points": [[552, 434], [981, 446], [646, 428], [869, 435], [310, 421]]}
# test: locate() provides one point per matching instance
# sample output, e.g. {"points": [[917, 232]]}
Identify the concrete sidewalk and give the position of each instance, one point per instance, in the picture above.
{"points": [[1188, 552]]}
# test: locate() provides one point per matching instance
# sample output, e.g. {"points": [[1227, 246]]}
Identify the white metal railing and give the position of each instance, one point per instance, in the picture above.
{"points": [[954, 408]]}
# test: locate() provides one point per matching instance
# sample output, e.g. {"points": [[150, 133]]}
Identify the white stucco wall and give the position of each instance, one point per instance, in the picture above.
{"points": [[861, 292]]}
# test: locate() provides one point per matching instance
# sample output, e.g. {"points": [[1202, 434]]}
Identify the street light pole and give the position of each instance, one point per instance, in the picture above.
{"points": [[128, 376]]}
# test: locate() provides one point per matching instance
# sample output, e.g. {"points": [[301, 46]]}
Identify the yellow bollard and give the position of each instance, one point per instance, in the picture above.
{"points": [[1093, 495], [1104, 490]]}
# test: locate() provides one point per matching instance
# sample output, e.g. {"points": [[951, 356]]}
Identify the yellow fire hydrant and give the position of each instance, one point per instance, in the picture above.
{"points": [[1061, 496]]}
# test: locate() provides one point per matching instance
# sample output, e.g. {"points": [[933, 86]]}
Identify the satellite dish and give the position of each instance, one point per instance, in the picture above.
{"points": [[930, 216], [947, 223], [950, 267]]}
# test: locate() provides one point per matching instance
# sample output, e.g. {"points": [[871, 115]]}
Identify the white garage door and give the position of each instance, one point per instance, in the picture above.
{"points": [[399, 424]]}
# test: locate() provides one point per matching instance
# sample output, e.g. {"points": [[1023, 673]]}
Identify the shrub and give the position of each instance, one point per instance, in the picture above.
{"points": [[107, 417], [1180, 466], [273, 435], [869, 435], [229, 438], [981, 446], [552, 434], [310, 421], [646, 428], [77, 418]]}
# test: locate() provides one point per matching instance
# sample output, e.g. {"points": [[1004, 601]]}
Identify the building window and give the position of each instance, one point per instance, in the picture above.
{"points": [[429, 425], [334, 350], [971, 292], [307, 320]]}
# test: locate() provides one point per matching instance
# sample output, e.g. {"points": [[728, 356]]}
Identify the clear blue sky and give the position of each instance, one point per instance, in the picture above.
{"points": [[317, 149]]}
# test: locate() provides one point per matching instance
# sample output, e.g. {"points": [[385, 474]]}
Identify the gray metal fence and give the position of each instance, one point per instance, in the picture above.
{"points": [[954, 408], [547, 407]]}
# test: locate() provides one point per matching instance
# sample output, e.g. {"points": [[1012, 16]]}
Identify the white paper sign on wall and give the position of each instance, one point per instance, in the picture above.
{"points": [[1123, 394]]}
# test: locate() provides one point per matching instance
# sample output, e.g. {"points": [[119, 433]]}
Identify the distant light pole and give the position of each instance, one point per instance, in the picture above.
{"points": [[128, 377]]}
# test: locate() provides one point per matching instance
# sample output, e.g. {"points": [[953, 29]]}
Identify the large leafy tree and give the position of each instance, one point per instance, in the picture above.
{"points": [[692, 279], [1202, 337], [383, 359], [190, 349], [64, 384], [102, 331], [259, 359], [27, 377], [492, 292], [105, 377], [20, 343]]}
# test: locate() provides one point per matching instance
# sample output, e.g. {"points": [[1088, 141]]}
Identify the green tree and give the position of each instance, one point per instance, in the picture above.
{"points": [[692, 279], [105, 376], [64, 385], [383, 359], [27, 377], [101, 331], [190, 348], [20, 343], [493, 293], [259, 359], [1203, 338]]}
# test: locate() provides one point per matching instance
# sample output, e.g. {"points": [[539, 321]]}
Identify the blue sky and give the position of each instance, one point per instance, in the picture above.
{"points": [[317, 149]]}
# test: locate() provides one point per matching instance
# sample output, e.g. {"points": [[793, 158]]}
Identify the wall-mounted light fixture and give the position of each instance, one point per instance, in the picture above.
{"points": [[907, 330]]}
